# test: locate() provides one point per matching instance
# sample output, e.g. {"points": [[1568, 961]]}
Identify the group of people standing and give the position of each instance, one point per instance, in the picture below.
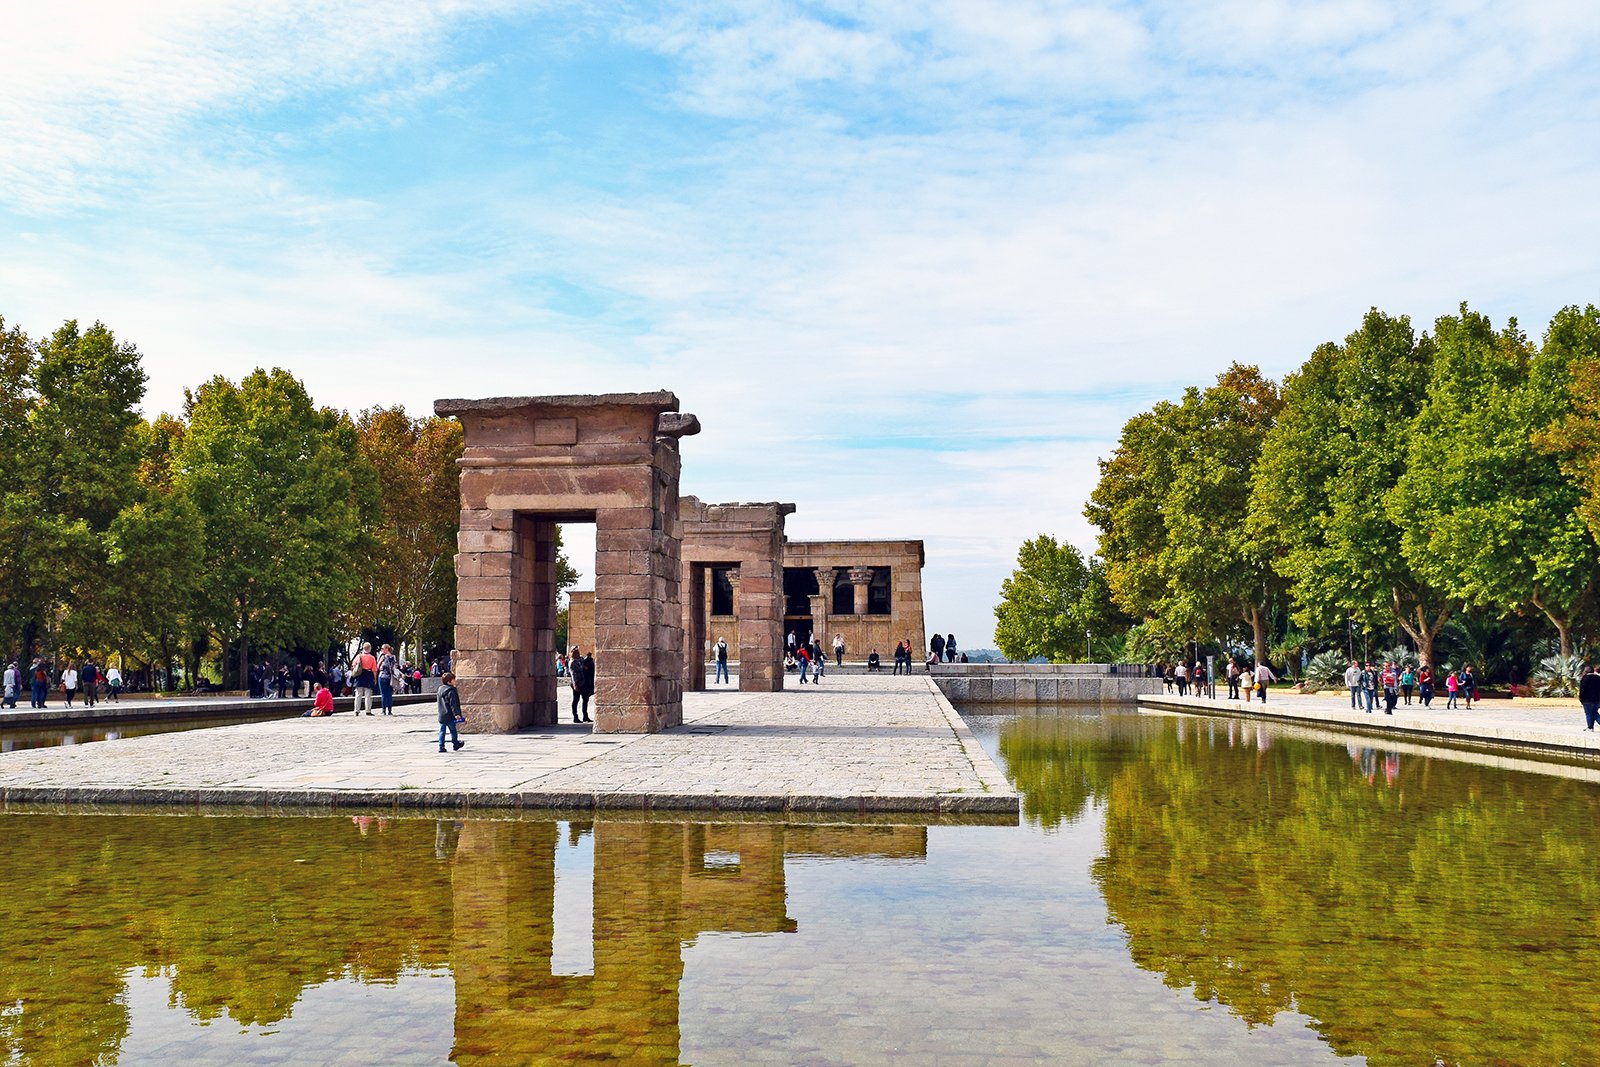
{"points": [[86, 678], [1366, 681], [1196, 677]]}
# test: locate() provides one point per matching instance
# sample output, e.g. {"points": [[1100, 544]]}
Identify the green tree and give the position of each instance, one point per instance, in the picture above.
{"points": [[1052, 602], [283, 494], [1485, 514], [1319, 503], [75, 459], [1170, 507], [1573, 343]]}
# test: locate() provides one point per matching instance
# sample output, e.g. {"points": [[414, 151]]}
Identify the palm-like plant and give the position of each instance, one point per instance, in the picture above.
{"points": [[1557, 676]]}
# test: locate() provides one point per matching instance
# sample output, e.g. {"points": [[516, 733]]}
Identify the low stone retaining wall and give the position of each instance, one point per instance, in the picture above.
{"points": [[1043, 683]]}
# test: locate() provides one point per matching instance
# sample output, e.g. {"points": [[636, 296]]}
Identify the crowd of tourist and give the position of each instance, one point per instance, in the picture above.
{"points": [[83, 679], [1196, 678]]}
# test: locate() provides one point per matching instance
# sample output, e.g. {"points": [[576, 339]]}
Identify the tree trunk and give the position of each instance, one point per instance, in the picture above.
{"points": [[244, 662], [1421, 631], [1563, 624], [1258, 629]]}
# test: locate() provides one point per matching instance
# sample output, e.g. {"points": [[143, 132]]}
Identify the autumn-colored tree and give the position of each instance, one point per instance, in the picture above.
{"points": [[407, 580]]}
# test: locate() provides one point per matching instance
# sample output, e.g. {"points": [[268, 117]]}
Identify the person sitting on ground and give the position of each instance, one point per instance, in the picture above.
{"points": [[789, 662], [873, 663], [322, 705]]}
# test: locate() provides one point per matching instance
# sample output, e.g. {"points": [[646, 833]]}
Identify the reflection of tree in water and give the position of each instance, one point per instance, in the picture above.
{"points": [[245, 914], [1447, 913], [1061, 762]]}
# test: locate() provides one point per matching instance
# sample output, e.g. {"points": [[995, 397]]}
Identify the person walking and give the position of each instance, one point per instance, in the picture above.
{"points": [[838, 650], [1425, 685], [581, 669], [819, 660], [1452, 685], [388, 670], [114, 684], [1352, 682], [1469, 685], [69, 683], [1264, 677], [1408, 682], [1588, 695], [1233, 679], [12, 685], [1182, 673], [802, 656], [89, 678], [721, 656], [1391, 688], [449, 711], [1369, 686]]}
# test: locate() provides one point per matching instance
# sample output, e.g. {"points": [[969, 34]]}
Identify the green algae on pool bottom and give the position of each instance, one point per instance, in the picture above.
{"points": [[1180, 891]]}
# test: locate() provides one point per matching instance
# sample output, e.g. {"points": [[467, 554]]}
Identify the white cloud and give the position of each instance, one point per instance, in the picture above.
{"points": [[1000, 226]]}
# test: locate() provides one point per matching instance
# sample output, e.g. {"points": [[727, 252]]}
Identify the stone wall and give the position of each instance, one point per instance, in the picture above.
{"points": [[580, 619], [862, 632], [747, 539], [528, 464], [1043, 683]]}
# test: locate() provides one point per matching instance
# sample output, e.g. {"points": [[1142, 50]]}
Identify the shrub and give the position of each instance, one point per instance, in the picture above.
{"points": [[1326, 669], [1557, 676]]}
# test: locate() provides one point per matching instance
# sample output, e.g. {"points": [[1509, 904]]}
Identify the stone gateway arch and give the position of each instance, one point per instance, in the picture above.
{"points": [[530, 463]]}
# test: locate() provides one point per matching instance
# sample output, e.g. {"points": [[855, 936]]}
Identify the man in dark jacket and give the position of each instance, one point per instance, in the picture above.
{"points": [[1589, 695], [582, 670], [449, 710]]}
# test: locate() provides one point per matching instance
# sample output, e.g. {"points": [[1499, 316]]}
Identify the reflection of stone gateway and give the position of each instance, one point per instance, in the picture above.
{"points": [[530, 463]]}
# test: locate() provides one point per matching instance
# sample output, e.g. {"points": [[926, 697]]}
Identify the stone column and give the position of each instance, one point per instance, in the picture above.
{"points": [[861, 579], [697, 578], [821, 606]]}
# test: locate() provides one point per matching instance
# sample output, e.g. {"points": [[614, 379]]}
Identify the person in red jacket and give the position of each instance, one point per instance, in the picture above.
{"points": [[322, 705]]}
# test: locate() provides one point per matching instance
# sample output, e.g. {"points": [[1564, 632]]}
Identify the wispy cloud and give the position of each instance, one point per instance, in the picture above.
{"points": [[913, 263]]}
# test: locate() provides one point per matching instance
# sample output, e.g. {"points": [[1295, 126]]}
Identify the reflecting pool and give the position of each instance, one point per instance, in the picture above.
{"points": [[1181, 890]]}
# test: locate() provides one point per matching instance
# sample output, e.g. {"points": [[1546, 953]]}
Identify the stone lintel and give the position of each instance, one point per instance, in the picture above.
{"points": [[659, 401]]}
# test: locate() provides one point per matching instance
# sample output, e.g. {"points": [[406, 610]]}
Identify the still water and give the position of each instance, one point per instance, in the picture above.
{"points": [[1180, 890]]}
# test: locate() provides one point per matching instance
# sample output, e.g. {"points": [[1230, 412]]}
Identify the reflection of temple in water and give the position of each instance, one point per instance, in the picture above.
{"points": [[657, 887], [246, 916]]}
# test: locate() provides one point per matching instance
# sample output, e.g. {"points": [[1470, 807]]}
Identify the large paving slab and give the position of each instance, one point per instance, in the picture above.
{"points": [[862, 744], [1545, 725]]}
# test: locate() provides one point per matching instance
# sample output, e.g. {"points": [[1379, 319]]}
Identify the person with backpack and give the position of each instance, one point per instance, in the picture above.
{"points": [[39, 672], [721, 656], [364, 676]]}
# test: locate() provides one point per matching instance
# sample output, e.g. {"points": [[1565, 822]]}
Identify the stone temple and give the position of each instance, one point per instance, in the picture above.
{"points": [[671, 574]]}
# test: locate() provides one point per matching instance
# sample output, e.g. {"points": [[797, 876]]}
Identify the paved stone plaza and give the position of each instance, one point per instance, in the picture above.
{"points": [[1553, 726], [852, 744]]}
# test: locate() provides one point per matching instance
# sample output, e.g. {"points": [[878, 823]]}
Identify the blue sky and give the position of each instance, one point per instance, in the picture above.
{"points": [[912, 263]]}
